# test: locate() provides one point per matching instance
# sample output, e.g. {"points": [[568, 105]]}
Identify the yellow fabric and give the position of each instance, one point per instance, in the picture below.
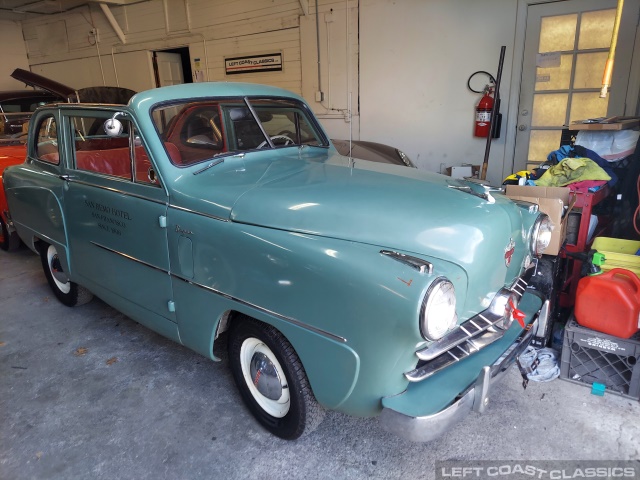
{"points": [[571, 170]]}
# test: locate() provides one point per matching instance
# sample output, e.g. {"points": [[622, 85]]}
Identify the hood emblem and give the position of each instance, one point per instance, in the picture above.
{"points": [[509, 251]]}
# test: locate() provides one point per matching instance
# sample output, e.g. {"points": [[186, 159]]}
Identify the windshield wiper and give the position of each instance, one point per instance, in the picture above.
{"points": [[218, 161]]}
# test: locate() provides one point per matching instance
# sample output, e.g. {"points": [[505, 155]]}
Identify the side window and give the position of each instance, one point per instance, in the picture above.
{"points": [[95, 151], [47, 141], [112, 155]]}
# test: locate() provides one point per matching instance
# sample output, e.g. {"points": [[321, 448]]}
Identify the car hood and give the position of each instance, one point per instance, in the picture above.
{"points": [[389, 206], [98, 94], [44, 83]]}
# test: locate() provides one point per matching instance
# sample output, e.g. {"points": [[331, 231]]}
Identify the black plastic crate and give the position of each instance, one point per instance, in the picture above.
{"points": [[592, 357]]}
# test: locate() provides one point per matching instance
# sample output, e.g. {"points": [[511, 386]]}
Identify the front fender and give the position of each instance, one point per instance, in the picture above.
{"points": [[350, 312]]}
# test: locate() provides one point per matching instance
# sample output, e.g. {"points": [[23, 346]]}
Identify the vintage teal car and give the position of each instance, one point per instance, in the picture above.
{"points": [[341, 284]]}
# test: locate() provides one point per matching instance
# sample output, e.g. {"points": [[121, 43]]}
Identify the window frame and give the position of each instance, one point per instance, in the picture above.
{"points": [[46, 117]]}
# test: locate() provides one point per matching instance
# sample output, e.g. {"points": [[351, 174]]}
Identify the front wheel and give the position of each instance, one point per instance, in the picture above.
{"points": [[271, 380], [68, 292]]}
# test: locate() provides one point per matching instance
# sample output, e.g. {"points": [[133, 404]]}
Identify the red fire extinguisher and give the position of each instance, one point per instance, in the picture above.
{"points": [[483, 113]]}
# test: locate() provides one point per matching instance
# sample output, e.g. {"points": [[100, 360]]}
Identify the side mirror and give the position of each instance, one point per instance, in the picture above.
{"points": [[112, 126]]}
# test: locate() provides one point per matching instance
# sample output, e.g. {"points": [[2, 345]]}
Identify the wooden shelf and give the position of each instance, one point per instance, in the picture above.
{"points": [[608, 124]]}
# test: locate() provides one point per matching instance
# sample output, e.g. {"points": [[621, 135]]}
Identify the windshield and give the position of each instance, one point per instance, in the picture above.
{"points": [[207, 128]]}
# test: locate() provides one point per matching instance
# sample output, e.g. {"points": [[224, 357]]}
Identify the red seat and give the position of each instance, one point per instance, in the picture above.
{"points": [[114, 162], [174, 153]]}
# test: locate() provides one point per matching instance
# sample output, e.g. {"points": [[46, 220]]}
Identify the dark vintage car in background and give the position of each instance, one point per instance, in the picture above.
{"points": [[15, 106], [362, 287]]}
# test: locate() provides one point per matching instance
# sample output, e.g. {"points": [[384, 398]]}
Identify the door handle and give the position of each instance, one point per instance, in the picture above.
{"points": [[66, 177]]}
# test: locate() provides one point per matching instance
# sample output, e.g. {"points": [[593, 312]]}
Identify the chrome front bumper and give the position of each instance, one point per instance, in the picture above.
{"points": [[475, 398]]}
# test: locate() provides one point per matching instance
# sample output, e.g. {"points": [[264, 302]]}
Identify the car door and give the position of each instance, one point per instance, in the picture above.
{"points": [[116, 210]]}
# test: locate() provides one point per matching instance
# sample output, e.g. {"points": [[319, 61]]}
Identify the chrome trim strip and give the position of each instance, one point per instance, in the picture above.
{"points": [[306, 326], [418, 264], [230, 297], [111, 189], [137, 260], [183, 209]]}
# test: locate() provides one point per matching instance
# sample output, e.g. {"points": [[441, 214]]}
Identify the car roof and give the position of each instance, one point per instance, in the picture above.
{"points": [[188, 91]]}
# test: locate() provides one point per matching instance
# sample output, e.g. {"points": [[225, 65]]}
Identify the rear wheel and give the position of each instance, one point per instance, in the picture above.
{"points": [[271, 380], [8, 241], [68, 292]]}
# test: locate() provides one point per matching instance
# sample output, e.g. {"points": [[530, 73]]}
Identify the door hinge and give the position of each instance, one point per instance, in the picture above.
{"points": [[162, 220], [171, 306]]}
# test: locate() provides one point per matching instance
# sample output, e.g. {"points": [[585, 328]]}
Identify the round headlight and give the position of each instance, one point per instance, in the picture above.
{"points": [[438, 314], [541, 235]]}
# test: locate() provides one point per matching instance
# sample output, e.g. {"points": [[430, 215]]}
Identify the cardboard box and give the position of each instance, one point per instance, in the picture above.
{"points": [[552, 201]]}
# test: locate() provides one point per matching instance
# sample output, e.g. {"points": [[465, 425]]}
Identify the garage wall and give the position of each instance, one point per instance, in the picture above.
{"points": [[14, 54], [211, 29], [391, 71], [419, 101], [60, 46]]}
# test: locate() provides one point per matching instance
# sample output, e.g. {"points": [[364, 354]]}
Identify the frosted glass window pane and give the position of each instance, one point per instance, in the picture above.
{"points": [[542, 143], [596, 29], [557, 78], [549, 109], [588, 105], [558, 33], [589, 69]]}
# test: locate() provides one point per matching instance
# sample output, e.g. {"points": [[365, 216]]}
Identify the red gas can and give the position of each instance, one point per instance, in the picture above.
{"points": [[609, 302]]}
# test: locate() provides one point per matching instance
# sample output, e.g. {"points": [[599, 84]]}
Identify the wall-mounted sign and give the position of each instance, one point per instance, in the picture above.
{"points": [[253, 63]]}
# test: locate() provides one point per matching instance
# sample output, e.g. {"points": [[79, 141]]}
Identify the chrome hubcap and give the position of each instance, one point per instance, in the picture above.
{"points": [[265, 376]]}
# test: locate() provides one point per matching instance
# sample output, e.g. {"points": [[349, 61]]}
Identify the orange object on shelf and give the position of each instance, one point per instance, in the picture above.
{"points": [[609, 302]]}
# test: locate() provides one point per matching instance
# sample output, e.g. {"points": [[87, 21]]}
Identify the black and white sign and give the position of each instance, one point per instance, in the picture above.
{"points": [[254, 63]]}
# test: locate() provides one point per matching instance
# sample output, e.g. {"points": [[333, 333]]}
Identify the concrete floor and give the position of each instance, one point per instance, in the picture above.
{"points": [[135, 405]]}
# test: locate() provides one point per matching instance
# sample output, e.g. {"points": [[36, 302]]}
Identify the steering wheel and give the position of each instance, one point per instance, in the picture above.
{"points": [[287, 140]]}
